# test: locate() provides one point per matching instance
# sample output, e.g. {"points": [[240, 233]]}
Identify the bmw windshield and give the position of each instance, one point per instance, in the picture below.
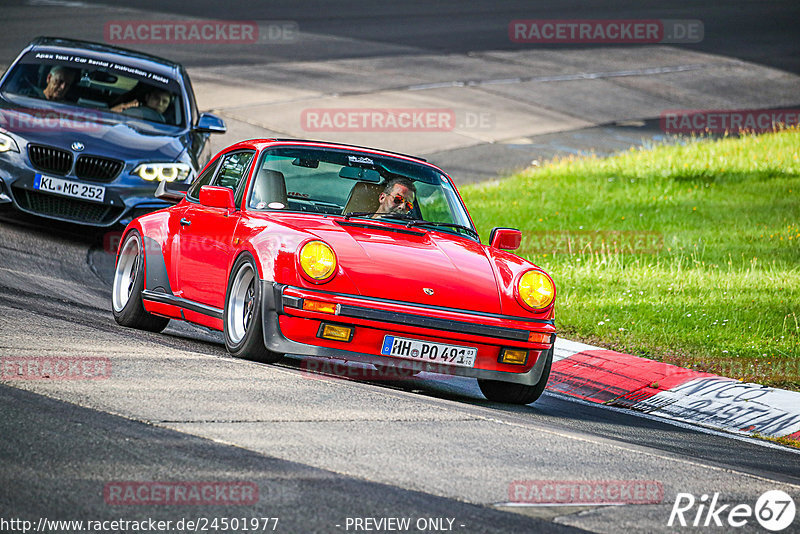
{"points": [[352, 184], [122, 93]]}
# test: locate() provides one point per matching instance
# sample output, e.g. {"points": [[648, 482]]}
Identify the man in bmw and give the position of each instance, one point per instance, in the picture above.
{"points": [[58, 82], [83, 157]]}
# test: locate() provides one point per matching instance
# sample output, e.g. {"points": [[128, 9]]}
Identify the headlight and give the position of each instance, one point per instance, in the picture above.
{"points": [[7, 143], [317, 260], [163, 172], [535, 290]]}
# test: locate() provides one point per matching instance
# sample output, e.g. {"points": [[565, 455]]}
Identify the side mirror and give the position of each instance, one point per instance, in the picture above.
{"points": [[505, 238], [215, 196], [171, 191], [210, 123]]}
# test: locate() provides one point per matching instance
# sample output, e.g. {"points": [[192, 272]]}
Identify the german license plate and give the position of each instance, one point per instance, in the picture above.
{"points": [[68, 188], [417, 349]]}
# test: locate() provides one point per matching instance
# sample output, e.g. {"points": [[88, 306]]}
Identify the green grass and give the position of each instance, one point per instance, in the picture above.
{"points": [[697, 258]]}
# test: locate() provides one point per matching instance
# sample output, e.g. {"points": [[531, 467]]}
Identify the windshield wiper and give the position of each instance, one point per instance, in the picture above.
{"points": [[420, 222], [384, 215]]}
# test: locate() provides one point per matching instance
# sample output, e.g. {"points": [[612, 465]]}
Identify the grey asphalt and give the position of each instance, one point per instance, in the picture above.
{"points": [[58, 457]]}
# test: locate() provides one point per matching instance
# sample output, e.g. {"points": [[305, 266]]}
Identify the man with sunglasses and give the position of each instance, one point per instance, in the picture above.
{"points": [[397, 197]]}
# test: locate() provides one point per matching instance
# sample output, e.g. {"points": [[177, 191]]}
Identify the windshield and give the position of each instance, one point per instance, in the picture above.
{"points": [[127, 91], [338, 182]]}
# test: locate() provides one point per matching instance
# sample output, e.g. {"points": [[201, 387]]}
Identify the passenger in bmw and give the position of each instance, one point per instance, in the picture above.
{"points": [[157, 100]]}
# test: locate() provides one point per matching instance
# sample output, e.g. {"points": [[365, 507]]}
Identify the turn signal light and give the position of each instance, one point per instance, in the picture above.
{"points": [[336, 332], [319, 306], [514, 356], [536, 337]]}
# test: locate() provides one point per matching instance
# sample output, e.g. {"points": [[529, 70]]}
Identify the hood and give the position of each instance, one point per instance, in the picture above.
{"points": [[62, 125], [389, 261]]}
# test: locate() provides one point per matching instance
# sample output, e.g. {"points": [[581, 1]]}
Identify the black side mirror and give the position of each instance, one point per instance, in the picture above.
{"points": [[210, 123]]}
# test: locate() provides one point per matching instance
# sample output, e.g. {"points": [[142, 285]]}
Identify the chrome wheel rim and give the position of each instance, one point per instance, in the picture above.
{"points": [[125, 273], [241, 303]]}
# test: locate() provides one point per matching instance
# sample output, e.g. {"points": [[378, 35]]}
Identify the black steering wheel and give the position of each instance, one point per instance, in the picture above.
{"points": [[144, 112]]}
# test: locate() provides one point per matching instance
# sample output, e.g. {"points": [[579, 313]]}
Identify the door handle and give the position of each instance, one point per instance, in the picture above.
{"points": [[185, 222]]}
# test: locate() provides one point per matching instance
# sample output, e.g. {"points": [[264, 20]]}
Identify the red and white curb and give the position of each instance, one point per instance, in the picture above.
{"points": [[612, 378]]}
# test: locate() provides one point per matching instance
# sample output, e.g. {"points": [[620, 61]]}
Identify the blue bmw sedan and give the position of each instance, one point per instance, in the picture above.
{"points": [[88, 131]]}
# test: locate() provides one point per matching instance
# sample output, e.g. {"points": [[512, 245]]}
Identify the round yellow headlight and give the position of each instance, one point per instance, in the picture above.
{"points": [[317, 260], [536, 290]]}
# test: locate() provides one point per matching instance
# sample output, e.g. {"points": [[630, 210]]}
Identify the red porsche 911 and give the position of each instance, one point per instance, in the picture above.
{"points": [[328, 250]]}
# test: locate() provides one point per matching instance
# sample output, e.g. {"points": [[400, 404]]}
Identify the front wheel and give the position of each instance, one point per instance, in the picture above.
{"points": [[244, 337], [511, 393], [126, 291]]}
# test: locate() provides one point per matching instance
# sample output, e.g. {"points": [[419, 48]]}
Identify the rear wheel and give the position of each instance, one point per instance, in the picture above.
{"points": [[511, 393], [244, 334], [126, 291]]}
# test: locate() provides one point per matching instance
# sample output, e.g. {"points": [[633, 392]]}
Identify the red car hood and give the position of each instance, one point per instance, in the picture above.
{"points": [[392, 262]]}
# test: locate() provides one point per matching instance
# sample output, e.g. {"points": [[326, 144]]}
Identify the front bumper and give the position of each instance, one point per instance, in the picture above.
{"points": [[290, 329], [122, 202]]}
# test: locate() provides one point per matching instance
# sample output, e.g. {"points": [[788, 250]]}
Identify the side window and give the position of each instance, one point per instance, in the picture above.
{"points": [[204, 179], [193, 113], [232, 170]]}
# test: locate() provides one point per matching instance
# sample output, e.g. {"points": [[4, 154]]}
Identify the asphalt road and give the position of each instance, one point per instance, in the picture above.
{"points": [[320, 448], [761, 32]]}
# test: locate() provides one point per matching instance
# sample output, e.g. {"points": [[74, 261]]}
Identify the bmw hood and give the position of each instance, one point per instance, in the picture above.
{"points": [[91, 131]]}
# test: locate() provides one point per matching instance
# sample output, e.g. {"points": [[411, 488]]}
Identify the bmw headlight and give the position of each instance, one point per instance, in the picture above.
{"points": [[7, 143], [163, 172], [317, 260], [535, 290]]}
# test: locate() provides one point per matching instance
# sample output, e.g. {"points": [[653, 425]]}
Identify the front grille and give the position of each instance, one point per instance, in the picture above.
{"points": [[97, 169], [50, 159], [67, 208]]}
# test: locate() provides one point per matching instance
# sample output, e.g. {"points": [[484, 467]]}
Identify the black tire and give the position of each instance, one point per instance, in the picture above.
{"points": [[512, 393], [126, 290], [244, 333]]}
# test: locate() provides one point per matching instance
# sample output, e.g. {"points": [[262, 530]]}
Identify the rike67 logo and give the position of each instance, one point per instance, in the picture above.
{"points": [[774, 511]]}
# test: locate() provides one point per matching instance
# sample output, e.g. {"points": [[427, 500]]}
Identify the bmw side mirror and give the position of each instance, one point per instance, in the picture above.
{"points": [[210, 123], [505, 238]]}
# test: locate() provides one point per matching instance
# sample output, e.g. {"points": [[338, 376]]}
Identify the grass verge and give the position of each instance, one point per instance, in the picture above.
{"points": [[687, 254]]}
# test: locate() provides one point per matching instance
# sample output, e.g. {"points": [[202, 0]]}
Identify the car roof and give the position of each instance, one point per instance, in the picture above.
{"points": [[144, 61]]}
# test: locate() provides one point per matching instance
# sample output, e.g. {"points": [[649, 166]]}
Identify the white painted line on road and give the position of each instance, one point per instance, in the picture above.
{"points": [[555, 504]]}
